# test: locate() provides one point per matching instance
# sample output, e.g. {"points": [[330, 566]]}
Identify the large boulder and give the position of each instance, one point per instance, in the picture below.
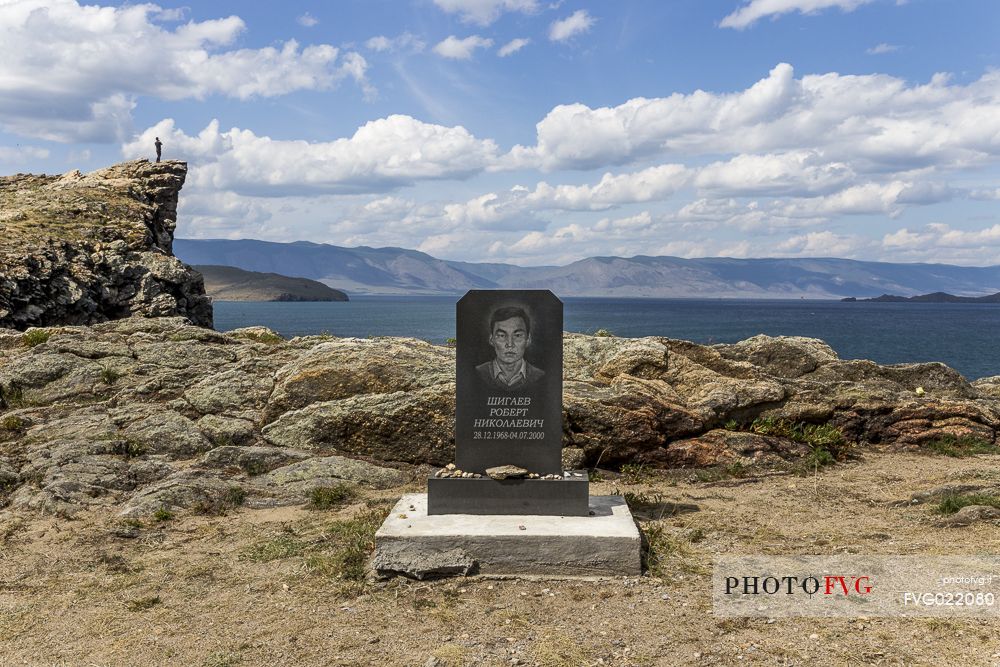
{"points": [[347, 367], [415, 427]]}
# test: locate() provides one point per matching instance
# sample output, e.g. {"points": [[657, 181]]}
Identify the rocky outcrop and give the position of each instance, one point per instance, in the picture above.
{"points": [[147, 413], [88, 248]]}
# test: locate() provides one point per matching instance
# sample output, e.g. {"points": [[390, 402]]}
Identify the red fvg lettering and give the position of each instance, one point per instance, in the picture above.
{"points": [[856, 584]]}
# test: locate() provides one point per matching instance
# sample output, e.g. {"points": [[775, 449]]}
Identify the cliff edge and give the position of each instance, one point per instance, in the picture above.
{"points": [[88, 248]]}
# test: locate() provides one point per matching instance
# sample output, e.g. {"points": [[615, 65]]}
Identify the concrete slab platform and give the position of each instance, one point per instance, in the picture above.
{"points": [[416, 544]]}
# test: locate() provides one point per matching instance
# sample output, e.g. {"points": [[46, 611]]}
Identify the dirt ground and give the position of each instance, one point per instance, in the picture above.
{"points": [[255, 587]]}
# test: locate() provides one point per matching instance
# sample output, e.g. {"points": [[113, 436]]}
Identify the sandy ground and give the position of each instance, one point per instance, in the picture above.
{"points": [[197, 590]]}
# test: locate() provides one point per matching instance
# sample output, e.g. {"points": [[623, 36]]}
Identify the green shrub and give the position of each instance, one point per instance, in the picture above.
{"points": [[352, 541], [635, 473], [254, 467], [35, 337], [234, 496], [13, 397], [129, 447], [951, 503], [223, 659], [734, 470], [960, 447], [326, 497], [637, 501], [110, 375], [819, 457], [163, 514], [814, 435], [663, 553], [142, 604], [825, 441], [12, 423], [604, 333]]}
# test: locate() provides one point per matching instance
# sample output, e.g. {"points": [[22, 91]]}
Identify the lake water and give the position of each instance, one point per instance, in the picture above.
{"points": [[962, 335]]}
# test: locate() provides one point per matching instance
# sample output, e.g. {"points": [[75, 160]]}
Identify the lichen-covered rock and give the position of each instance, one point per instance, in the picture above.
{"points": [[181, 490], [603, 358], [224, 431], [573, 458], [230, 391], [167, 432], [295, 481], [150, 412], [781, 356], [719, 447], [969, 515], [253, 460], [82, 249], [347, 367], [415, 427], [989, 386]]}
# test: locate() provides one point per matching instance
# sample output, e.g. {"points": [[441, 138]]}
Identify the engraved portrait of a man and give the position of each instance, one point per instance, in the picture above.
{"points": [[510, 336]]}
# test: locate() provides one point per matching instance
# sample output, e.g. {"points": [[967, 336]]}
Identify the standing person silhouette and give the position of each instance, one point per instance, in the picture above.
{"points": [[159, 147]]}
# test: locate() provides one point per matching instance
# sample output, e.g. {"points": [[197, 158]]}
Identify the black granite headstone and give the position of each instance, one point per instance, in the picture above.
{"points": [[508, 408]]}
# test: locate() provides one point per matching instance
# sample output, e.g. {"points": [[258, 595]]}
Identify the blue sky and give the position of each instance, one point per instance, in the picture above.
{"points": [[532, 131]]}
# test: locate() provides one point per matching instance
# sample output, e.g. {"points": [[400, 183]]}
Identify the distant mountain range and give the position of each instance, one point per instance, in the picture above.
{"points": [[365, 270], [227, 283]]}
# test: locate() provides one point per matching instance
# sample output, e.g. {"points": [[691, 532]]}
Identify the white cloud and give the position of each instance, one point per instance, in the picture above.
{"points": [[651, 184], [881, 48], [820, 244], [73, 72], [513, 46], [516, 207], [379, 43], [766, 218], [939, 242], [873, 123], [403, 42], [754, 10], [382, 154], [985, 194], [221, 215], [942, 235], [869, 198], [793, 173], [461, 49], [307, 20], [576, 23], [630, 224], [19, 154], [485, 12]]}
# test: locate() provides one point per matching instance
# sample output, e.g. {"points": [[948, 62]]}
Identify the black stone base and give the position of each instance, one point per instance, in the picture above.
{"points": [[569, 496]]}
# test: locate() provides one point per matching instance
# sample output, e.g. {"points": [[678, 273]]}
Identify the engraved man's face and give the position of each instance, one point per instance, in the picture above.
{"points": [[509, 340]]}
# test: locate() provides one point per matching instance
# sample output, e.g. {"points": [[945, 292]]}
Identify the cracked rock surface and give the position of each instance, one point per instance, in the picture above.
{"points": [[149, 413]]}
